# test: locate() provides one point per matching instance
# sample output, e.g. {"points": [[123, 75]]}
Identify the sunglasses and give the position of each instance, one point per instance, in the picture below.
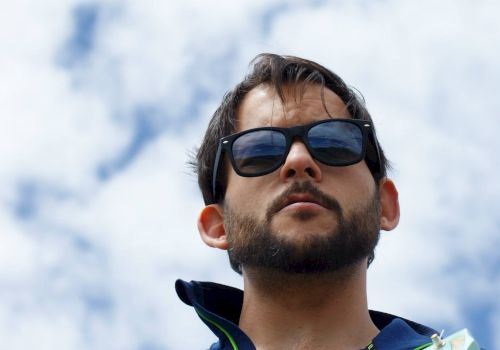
{"points": [[334, 142]]}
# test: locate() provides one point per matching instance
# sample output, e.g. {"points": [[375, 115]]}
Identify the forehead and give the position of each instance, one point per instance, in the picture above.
{"points": [[262, 106]]}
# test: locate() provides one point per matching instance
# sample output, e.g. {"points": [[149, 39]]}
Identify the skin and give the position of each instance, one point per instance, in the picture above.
{"points": [[278, 312]]}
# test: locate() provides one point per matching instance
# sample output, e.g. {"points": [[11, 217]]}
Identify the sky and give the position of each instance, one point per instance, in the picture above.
{"points": [[101, 104]]}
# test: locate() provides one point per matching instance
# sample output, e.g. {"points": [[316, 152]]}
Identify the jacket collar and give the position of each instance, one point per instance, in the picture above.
{"points": [[219, 307]]}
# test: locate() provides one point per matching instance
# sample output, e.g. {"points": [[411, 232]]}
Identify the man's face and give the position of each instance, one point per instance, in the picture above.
{"points": [[305, 216]]}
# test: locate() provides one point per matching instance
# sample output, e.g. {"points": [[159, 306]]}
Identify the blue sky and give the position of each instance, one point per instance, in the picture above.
{"points": [[101, 102]]}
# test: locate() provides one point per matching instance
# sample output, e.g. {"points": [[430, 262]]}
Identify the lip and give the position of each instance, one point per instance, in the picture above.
{"points": [[301, 201]]}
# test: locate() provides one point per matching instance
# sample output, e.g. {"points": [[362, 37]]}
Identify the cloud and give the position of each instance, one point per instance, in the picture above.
{"points": [[100, 104]]}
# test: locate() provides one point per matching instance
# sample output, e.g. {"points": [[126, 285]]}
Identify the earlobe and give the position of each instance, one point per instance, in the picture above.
{"points": [[211, 227], [389, 205]]}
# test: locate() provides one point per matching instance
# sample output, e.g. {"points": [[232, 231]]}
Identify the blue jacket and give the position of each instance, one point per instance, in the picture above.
{"points": [[219, 307]]}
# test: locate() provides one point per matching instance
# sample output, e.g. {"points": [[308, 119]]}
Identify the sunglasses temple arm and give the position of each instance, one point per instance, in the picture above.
{"points": [[373, 140], [214, 175]]}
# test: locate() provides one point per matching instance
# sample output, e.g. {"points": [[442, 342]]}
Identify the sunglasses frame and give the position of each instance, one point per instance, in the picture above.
{"points": [[369, 152]]}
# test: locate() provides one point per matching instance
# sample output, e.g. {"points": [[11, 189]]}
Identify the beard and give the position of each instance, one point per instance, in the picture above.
{"points": [[253, 244]]}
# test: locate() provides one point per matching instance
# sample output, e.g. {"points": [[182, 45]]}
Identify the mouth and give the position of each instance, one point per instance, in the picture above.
{"points": [[300, 200]]}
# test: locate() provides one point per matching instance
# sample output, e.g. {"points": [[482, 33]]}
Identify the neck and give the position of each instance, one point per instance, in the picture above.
{"points": [[297, 311]]}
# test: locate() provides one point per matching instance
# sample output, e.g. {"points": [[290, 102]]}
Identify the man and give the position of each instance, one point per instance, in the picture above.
{"points": [[295, 187]]}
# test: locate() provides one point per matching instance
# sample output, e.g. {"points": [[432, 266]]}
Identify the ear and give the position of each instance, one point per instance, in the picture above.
{"points": [[389, 204], [211, 227]]}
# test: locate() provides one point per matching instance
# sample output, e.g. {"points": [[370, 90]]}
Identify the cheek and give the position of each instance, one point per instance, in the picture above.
{"points": [[357, 186], [251, 196], [242, 192]]}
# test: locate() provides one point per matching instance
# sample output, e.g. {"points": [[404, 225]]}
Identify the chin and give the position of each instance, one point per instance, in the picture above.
{"points": [[300, 237], [304, 227]]}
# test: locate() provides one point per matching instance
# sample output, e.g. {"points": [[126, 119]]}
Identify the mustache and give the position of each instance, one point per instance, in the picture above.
{"points": [[303, 188]]}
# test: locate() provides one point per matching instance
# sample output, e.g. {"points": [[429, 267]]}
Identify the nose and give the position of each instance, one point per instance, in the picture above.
{"points": [[300, 164]]}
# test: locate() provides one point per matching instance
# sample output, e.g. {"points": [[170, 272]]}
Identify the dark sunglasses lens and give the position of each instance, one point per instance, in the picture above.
{"points": [[336, 142], [258, 151]]}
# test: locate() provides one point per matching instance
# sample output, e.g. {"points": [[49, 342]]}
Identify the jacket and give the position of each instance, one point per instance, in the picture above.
{"points": [[219, 308]]}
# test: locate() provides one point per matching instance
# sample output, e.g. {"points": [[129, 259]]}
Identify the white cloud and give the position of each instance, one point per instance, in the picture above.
{"points": [[97, 260], [16, 255]]}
